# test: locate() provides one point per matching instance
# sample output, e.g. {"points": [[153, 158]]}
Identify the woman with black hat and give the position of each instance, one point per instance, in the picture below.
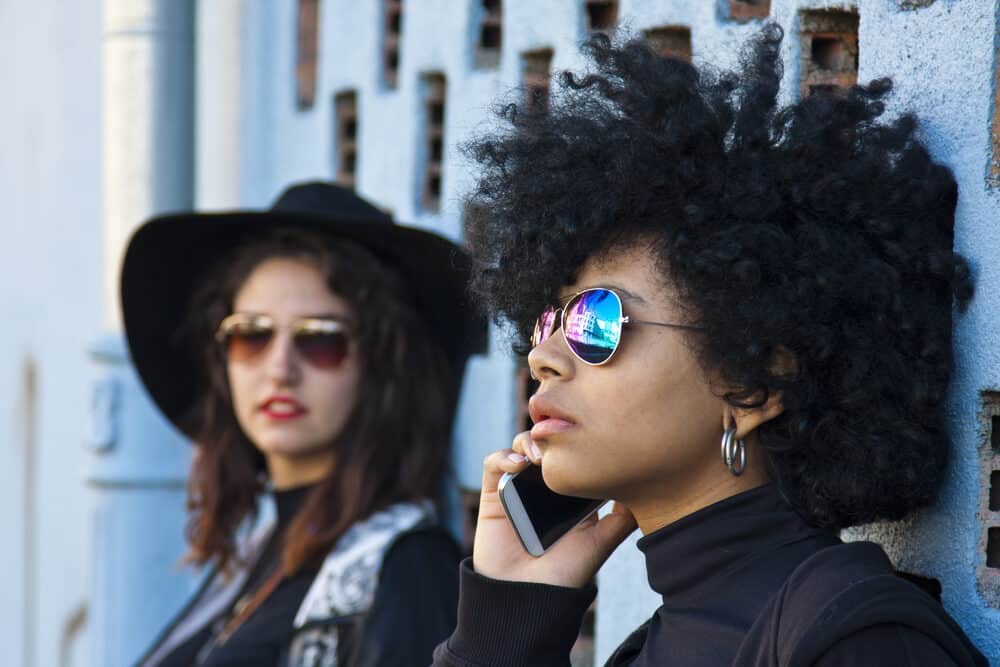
{"points": [[314, 350]]}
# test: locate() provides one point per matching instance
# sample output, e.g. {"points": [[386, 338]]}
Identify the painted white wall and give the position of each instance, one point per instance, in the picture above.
{"points": [[51, 298]]}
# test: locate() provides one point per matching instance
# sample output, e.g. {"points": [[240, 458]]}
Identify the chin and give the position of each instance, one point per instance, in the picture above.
{"points": [[288, 447], [571, 483]]}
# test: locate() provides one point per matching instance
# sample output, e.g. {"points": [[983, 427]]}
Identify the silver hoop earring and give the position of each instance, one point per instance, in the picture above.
{"points": [[734, 452]]}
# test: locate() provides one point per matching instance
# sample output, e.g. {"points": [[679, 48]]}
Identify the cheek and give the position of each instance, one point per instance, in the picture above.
{"points": [[338, 393], [660, 408], [241, 388]]}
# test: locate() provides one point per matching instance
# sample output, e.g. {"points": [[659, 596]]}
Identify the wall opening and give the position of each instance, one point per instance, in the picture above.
{"points": [[602, 15], [673, 41], [537, 67], [306, 53], [391, 41], [346, 112], [988, 568], [829, 48], [748, 10], [994, 503], [490, 34], [434, 110]]}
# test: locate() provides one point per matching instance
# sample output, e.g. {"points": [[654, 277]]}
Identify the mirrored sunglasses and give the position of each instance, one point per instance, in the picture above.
{"points": [[592, 322], [321, 342]]}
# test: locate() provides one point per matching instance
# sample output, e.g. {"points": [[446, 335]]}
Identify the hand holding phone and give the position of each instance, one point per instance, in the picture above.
{"points": [[540, 516], [572, 561]]}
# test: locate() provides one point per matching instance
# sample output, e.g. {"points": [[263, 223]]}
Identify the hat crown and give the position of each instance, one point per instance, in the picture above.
{"points": [[326, 199]]}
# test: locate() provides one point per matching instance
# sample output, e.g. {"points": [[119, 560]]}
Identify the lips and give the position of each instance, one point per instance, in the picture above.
{"points": [[549, 419], [282, 408]]}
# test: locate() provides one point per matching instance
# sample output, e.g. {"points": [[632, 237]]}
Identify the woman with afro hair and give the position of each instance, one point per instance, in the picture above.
{"points": [[692, 265]]}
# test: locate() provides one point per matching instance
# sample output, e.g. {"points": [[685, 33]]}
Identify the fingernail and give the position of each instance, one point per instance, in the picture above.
{"points": [[515, 457], [535, 451]]}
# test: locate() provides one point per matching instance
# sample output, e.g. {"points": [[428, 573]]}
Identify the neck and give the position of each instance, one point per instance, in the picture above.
{"points": [[687, 493], [288, 472]]}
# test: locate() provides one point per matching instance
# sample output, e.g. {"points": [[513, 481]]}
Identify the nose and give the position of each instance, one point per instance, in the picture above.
{"points": [[551, 358], [283, 365]]}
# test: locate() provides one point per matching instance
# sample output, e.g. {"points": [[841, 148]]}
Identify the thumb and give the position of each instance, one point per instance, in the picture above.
{"points": [[612, 529]]}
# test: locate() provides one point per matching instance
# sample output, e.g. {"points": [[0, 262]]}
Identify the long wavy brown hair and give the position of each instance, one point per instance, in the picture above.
{"points": [[394, 446]]}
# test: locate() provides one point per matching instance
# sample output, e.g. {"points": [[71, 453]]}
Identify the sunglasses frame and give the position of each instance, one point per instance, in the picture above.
{"points": [[300, 325], [623, 319]]}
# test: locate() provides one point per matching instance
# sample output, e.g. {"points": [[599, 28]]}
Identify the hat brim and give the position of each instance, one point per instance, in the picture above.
{"points": [[169, 256]]}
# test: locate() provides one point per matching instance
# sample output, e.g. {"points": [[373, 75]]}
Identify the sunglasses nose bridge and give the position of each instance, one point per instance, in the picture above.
{"points": [[281, 356]]}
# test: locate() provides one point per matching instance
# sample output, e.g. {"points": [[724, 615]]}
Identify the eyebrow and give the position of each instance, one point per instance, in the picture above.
{"points": [[624, 293], [317, 316]]}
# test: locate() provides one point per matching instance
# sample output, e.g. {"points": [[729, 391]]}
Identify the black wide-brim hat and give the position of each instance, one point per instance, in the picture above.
{"points": [[169, 256]]}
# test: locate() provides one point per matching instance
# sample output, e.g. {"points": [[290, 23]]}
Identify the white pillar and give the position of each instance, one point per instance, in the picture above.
{"points": [[220, 110], [139, 462], [148, 121]]}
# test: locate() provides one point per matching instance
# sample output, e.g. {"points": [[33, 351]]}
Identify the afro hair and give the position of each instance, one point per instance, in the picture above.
{"points": [[812, 229]]}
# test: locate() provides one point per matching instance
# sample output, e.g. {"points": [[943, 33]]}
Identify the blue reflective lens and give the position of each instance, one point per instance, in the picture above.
{"points": [[593, 325]]}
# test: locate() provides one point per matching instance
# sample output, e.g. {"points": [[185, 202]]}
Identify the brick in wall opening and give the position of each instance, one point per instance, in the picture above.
{"points": [[434, 115], [993, 548], [602, 15], [988, 569], [490, 34], [536, 79], [391, 40], [994, 502], [828, 40], [671, 40], [346, 113], [306, 53], [748, 10]]}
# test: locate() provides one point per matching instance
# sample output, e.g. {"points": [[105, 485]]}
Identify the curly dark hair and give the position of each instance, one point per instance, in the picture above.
{"points": [[810, 229]]}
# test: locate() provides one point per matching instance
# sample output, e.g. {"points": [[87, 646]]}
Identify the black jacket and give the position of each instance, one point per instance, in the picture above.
{"points": [[409, 608], [744, 582]]}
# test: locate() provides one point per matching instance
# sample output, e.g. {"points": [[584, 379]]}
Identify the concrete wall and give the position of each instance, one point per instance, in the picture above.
{"points": [[951, 89], [51, 299]]}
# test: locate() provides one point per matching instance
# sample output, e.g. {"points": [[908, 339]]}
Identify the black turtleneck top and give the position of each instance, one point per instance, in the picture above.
{"points": [[745, 581]]}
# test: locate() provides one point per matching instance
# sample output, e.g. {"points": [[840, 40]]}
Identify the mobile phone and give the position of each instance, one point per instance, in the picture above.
{"points": [[541, 516]]}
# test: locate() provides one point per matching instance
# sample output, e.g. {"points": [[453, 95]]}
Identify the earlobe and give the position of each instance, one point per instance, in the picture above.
{"points": [[748, 420], [783, 364]]}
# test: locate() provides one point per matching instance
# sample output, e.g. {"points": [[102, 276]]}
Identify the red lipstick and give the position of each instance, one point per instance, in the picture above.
{"points": [[282, 408]]}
